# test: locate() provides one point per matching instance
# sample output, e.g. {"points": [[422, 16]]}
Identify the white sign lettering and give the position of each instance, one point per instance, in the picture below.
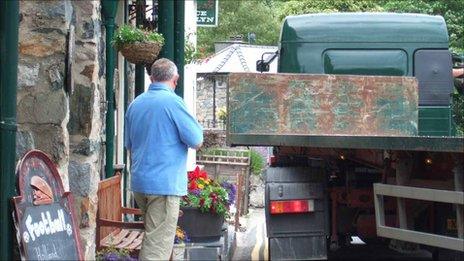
{"points": [[205, 19], [46, 226]]}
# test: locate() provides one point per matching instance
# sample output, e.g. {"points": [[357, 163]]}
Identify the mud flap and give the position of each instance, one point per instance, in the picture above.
{"points": [[297, 236], [298, 248]]}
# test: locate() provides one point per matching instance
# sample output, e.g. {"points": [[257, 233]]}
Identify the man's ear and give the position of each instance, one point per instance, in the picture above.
{"points": [[175, 79]]}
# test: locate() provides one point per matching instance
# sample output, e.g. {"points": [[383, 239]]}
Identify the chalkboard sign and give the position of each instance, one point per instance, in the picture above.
{"points": [[44, 214]]}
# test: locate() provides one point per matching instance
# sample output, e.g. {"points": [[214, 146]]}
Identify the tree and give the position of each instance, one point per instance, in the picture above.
{"points": [[451, 10], [240, 18], [295, 7]]}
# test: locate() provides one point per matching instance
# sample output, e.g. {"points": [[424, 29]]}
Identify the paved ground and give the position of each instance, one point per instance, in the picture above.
{"points": [[252, 244]]}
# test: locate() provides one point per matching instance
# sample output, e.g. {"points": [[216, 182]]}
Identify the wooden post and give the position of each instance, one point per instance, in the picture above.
{"points": [[238, 201], [216, 171], [246, 194]]}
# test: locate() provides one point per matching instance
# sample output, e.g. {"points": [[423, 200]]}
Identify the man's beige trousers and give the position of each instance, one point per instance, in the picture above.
{"points": [[160, 214]]}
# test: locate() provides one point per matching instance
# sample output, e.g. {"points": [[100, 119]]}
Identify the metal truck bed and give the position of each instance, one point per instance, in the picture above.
{"points": [[319, 104], [328, 111], [414, 143]]}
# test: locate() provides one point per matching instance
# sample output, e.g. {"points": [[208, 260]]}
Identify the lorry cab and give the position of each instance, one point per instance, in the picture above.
{"points": [[376, 44], [313, 191]]}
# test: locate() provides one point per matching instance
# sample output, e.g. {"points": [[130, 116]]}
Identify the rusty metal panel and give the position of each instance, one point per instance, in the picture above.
{"points": [[322, 104]]}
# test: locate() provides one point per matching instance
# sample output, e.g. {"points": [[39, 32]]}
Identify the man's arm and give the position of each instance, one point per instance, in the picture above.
{"points": [[458, 72], [190, 131]]}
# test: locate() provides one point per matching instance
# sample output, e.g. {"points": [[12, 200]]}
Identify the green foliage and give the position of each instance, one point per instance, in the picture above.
{"points": [[127, 34], [264, 17], [223, 152], [451, 10], [458, 113], [191, 53], [458, 96], [222, 114], [204, 200], [257, 163], [240, 18], [207, 194], [296, 7], [113, 253]]}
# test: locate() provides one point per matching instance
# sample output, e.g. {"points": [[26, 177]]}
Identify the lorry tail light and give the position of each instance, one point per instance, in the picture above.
{"points": [[292, 206], [272, 161]]}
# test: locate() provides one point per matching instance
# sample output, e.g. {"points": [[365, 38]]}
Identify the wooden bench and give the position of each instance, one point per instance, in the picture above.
{"points": [[112, 230]]}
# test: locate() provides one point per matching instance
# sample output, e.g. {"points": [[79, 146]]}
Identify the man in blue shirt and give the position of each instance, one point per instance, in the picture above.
{"points": [[158, 131]]}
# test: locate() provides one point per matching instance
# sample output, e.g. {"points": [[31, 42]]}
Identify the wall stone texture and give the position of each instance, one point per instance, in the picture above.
{"points": [[205, 86], [64, 121], [40, 107]]}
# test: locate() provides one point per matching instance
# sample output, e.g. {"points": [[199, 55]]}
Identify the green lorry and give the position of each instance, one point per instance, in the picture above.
{"points": [[324, 187]]}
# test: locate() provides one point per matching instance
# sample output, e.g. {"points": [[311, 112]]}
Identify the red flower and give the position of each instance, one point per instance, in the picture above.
{"points": [[196, 174], [203, 174], [192, 185]]}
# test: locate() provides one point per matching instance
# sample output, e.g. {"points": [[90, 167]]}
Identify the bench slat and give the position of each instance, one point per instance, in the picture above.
{"points": [[137, 243], [129, 239], [114, 240]]}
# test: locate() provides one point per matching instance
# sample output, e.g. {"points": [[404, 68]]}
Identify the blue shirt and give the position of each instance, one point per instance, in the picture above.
{"points": [[158, 131]]}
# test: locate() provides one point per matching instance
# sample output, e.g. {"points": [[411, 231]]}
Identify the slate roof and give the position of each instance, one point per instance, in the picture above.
{"points": [[236, 58]]}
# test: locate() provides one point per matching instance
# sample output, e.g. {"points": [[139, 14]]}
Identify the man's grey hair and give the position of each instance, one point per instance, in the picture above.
{"points": [[163, 70]]}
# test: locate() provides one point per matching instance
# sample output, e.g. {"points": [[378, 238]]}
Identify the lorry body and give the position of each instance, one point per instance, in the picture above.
{"points": [[324, 187]]}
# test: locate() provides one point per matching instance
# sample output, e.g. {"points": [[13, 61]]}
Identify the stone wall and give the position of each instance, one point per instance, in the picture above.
{"points": [[59, 107], [205, 85]]}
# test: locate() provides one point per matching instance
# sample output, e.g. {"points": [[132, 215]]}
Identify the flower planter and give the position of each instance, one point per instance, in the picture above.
{"points": [[201, 227]]}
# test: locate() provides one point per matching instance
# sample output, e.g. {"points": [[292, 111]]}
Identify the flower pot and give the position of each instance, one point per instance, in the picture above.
{"points": [[201, 227], [140, 53]]}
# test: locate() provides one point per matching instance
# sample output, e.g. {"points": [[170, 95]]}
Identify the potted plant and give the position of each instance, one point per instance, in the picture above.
{"points": [[137, 45], [205, 206], [114, 254]]}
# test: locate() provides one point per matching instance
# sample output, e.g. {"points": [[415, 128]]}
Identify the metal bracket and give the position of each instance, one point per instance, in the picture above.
{"points": [[435, 195]]}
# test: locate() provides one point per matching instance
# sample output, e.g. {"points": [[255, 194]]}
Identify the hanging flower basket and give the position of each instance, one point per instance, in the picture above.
{"points": [[137, 45], [140, 53]]}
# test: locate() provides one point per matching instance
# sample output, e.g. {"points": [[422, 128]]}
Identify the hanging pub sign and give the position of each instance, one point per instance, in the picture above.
{"points": [[207, 12], [44, 214]]}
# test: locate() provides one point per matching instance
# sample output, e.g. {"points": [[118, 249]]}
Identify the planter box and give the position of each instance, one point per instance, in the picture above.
{"points": [[201, 227]]}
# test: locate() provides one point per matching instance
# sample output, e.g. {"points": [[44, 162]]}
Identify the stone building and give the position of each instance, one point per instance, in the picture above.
{"points": [[60, 105], [61, 93], [212, 76]]}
